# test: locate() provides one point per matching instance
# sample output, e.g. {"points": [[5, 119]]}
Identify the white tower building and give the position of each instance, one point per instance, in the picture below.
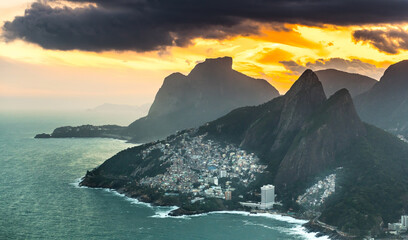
{"points": [[267, 196], [404, 220], [216, 181]]}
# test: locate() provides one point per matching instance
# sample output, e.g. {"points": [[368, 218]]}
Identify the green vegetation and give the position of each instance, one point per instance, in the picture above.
{"points": [[125, 162], [373, 187], [209, 205]]}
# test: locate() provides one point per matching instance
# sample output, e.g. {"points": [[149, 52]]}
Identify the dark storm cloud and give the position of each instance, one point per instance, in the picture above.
{"points": [[390, 40], [145, 25]]}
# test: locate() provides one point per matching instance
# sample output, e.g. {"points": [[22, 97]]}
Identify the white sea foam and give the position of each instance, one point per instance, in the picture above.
{"points": [[302, 231], [164, 212], [277, 217], [131, 200], [281, 218], [296, 230], [260, 225], [402, 138], [77, 182]]}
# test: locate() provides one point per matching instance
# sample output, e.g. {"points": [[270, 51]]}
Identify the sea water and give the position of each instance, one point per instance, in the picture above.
{"points": [[40, 197]]}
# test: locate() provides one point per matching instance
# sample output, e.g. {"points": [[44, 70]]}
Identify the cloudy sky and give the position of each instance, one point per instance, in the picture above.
{"points": [[77, 54]]}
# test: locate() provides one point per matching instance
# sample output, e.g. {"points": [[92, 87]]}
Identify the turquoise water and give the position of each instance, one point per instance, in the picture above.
{"points": [[39, 197]]}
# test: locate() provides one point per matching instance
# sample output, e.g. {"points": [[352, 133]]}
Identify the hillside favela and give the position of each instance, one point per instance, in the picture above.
{"points": [[202, 120]]}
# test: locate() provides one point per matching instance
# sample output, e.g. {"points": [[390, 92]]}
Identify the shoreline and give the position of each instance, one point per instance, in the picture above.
{"points": [[302, 227]]}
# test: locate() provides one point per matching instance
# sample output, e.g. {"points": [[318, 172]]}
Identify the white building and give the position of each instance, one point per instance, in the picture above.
{"points": [[267, 196], [404, 220], [223, 173], [401, 227], [216, 181]]}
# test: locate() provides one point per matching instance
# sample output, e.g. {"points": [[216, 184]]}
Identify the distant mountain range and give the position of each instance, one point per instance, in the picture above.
{"points": [[386, 103], [334, 80], [302, 137], [209, 91]]}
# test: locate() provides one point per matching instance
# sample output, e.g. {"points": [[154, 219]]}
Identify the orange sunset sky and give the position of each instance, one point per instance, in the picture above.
{"points": [[33, 77]]}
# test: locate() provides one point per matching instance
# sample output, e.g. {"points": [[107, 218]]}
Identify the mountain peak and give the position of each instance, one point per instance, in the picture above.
{"points": [[341, 106], [329, 130], [211, 90], [308, 80], [402, 65], [212, 66], [341, 95], [304, 97], [223, 61], [395, 74], [385, 104], [307, 89]]}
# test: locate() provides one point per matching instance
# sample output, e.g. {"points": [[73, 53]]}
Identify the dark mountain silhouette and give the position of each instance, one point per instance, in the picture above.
{"points": [[386, 103], [334, 80], [325, 135], [209, 91], [299, 133], [302, 137]]}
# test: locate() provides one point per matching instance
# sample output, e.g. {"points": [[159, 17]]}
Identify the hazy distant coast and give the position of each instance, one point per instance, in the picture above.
{"points": [[87, 131]]}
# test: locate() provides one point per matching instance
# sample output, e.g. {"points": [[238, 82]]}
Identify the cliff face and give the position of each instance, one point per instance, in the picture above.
{"points": [[170, 96], [274, 130], [326, 133], [334, 80], [385, 105], [298, 134], [303, 98], [211, 90]]}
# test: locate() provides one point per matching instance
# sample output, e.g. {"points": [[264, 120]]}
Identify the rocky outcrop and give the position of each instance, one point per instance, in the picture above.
{"points": [[209, 91], [327, 132], [284, 117], [304, 97]]}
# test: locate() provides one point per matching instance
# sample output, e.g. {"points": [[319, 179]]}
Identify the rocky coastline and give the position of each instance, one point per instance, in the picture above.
{"points": [[159, 198]]}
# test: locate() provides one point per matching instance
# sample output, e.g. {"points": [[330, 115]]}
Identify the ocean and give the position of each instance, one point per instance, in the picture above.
{"points": [[40, 197]]}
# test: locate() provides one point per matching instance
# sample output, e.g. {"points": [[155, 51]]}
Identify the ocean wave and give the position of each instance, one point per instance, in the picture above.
{"points": [[274, 216], [302, 231], [77, 182], [402, 138], [297, 230], [129, 199], [277, 217], [164, 212]]}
